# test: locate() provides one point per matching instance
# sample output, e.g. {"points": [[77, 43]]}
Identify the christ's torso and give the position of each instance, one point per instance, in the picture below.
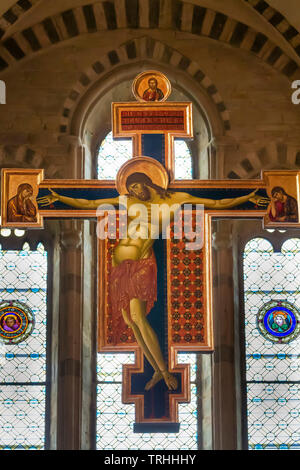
{"points": [[142, 232]]}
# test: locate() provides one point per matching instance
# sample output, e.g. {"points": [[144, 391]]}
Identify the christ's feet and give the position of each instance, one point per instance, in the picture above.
{"points": [[169, 379], [157, 376]]}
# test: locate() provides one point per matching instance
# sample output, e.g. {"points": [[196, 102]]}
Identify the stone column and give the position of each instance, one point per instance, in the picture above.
{"points": [[70, 336], [205, 401], [223, 146], [224, 368], [76, 150]]}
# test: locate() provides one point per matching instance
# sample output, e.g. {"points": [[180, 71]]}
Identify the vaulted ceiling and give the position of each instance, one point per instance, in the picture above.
{"points": [[243, 55], [29, 26]]}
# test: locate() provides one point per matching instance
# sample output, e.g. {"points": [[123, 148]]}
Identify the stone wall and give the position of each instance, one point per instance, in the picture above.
{"points": [[241, 77], [63, 63]]}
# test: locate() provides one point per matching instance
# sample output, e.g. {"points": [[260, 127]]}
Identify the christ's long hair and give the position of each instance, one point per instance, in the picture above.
{"points": [[138, 177], [152, 79]]}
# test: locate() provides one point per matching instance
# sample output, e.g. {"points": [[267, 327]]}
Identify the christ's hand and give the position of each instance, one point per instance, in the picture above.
{"points": [[258, 200], [49, 199]]}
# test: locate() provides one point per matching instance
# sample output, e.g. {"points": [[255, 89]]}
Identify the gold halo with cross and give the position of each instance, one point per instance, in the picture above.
{"points": [[146, 165]]}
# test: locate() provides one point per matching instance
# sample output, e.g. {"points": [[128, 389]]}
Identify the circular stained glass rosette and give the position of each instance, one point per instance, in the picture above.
{"points": [[16, 322], [279, 321]]}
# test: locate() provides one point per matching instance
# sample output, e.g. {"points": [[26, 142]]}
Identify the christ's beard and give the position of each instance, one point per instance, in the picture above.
{"points": [[144, 195]]}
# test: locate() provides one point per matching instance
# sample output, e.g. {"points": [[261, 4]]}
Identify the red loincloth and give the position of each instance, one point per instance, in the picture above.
{"points": [[132, 279]]}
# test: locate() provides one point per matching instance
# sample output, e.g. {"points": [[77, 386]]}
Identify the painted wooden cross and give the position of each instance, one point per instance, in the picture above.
{"points": [[154, 294]]}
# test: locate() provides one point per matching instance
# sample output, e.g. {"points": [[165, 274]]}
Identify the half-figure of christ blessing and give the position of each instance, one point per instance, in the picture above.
{"points": [[153, 93], [133, 280]]}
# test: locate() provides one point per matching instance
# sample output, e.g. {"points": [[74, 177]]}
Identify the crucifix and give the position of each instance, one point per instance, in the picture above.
{"points": [[154, 291]]}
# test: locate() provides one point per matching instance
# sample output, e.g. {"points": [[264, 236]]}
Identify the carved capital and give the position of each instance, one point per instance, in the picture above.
{"points": [[71, 235], [222, 141], [72, 140], [222, 240]]}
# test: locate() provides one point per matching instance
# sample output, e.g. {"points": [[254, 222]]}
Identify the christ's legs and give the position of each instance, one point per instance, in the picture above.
{"points": [[157, 376], [138, 316], [140, 340]]}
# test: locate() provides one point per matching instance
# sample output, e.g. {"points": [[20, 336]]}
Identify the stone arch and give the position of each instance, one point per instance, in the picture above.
{"points": [[14, 13], [278, 21], [137, 51], [24, 156], [90, 118], [277, 155], [114, 14]]}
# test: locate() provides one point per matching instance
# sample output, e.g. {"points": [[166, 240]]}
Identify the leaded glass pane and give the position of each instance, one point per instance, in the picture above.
{"points": [[272, 368], [23, 277], [109, 367], [183, 160], [115, 420], [22, 417], [273, 411], [112, 155]]}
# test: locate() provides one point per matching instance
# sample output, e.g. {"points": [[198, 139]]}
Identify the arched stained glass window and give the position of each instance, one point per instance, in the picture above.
{"points": [[114, 153], [272, 304], [23, 382]]}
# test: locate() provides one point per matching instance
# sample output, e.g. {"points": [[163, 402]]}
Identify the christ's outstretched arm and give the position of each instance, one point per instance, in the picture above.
{"points": [[185, 198], [77, 203]]}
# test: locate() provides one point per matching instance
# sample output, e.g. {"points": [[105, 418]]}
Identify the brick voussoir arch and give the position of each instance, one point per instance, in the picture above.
{"points": [[25, 156], [144, 14], [275, 155], [138, 50], [14, 13], [278, 21]]}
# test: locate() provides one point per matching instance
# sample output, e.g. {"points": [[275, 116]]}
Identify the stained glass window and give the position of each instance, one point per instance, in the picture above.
{"points": [[183, 160], [115, 420], [272, 290], [23, 278], [114, 153]]}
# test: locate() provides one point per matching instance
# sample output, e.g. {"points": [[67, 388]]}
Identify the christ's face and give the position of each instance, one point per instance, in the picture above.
{"points": [[140, 191], [152, 84]]}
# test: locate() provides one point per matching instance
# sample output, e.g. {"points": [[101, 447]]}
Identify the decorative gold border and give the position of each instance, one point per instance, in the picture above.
{"points": [[6, 175], [103, 346], [186, 107], [180, 184], [158, 76], [136, 136], [98, 184], [266, 175]]}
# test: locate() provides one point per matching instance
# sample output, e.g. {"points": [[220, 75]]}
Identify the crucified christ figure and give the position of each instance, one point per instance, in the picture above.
{"points": [[133, 279]]}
